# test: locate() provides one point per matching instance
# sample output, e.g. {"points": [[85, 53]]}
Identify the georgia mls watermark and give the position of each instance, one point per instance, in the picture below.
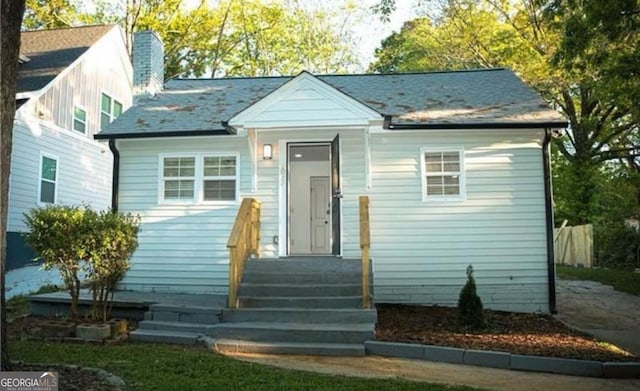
{"points": [[28, 381]]}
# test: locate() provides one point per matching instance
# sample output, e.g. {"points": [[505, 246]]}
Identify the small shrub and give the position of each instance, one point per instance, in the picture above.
{"points": [[470, 309], [115, 237], [79, 241], [58, 234]]}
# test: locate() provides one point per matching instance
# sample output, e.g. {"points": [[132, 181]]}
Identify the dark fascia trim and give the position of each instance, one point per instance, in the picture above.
{"points": [[115, 177], [178, 133], [479, 125], [548, 206]]}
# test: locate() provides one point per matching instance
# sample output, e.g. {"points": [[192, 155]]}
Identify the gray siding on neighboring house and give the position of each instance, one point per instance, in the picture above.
{"points": [[44, 125], [105, 67], [422, 248], [84, 176]]}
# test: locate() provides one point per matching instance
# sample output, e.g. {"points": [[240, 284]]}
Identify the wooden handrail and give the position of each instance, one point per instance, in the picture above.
{"points": [[365, 243], [243, 242]]}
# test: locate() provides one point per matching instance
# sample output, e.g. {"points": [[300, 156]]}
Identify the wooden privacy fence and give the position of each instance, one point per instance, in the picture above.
{"points": [[574, 245], [244, 241]]}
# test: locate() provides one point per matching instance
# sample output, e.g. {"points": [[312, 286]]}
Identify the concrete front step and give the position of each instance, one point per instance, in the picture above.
{"points": [[305, 264], [198, 328], [300, 302], [302, 290], [164, 336], [299, 315], [184, 313], [318, 349], [293, 332], [289, 277]]}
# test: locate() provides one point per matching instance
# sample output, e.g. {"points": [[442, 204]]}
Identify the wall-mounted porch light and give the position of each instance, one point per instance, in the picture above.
{"points": [[267, 152]]}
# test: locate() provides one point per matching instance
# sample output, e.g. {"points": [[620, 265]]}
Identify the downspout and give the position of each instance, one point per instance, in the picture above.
{"points": [[548, 204], [115, 178]]}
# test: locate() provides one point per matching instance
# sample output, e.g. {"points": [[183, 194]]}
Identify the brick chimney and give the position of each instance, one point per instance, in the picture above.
{"points": [[148, 63]]}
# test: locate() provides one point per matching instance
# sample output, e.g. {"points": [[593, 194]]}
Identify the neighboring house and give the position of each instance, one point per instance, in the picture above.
{"points": [[71, 82], [455, 165]]}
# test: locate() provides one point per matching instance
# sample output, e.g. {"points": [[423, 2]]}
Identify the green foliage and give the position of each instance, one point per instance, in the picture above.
{"points": [[617, 246], [164, 367], [470, 311], [111, 244], [58, 236], [621, 280], [596, 90], [81, 242], [225, 38]]}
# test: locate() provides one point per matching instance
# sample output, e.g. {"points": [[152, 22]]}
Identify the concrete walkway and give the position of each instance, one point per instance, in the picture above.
{"points": [[29, 279], [600, 310], [425, 371]]}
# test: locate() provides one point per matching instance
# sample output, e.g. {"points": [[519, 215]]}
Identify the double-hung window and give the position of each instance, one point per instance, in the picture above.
{"points": [[79, 119], [179, 178], [110, 109], [199, 178], [48, 179], [219, 178], [443, 176]]}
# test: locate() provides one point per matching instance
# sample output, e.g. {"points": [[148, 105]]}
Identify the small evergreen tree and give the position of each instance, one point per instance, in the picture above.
{"points": [[470, 311]]}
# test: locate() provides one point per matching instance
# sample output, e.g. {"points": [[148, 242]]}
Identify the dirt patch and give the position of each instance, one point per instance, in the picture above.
{"points": [[529, 334]]}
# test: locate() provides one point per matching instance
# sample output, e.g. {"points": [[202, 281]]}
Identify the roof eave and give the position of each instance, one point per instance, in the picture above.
{"points": [[555, 124], [176, 133]]}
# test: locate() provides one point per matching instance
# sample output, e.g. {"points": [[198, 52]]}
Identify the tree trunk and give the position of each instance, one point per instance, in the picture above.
{"points": [[10, 20]]}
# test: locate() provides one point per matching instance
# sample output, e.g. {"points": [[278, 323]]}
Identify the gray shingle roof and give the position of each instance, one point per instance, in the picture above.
{"points": [[51, 51], [447, 98]]}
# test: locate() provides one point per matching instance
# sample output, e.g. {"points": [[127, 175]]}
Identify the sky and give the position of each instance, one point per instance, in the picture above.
{"points": [[370, 31]]}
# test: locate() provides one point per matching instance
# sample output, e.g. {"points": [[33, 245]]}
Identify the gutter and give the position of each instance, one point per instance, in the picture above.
{"points": [[115, 178], [476, 125], [548, 206], [177, 133]]}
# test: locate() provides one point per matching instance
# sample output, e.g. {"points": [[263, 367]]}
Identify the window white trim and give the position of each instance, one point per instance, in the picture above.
{"points": [[462, 175], [40, 179], [74, 119], [110, 114], [199, 178]]}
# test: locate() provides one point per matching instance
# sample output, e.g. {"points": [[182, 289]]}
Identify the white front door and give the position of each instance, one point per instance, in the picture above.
{"points": [[320, 215]]}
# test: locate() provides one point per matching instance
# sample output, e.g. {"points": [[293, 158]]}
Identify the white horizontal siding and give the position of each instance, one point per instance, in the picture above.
{"points": [[305, 105], [421, 248], [84, 169], [181, 247]]}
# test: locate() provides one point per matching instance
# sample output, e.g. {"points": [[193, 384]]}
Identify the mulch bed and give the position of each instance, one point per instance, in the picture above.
{"points": [[529, 334]]}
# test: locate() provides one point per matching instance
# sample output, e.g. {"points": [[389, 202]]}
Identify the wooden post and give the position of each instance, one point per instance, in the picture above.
{"points": [[364, 247]]}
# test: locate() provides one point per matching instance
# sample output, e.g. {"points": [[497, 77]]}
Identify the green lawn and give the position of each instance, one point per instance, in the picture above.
{"points": [[620, 280], [164, 367]]}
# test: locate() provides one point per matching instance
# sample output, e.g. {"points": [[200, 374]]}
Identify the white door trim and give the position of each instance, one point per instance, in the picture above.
{"points": [[283, 178]]}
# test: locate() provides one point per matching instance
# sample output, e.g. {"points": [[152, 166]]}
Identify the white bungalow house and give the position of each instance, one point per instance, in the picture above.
{"points": [[455, 165], [71, 82]]}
